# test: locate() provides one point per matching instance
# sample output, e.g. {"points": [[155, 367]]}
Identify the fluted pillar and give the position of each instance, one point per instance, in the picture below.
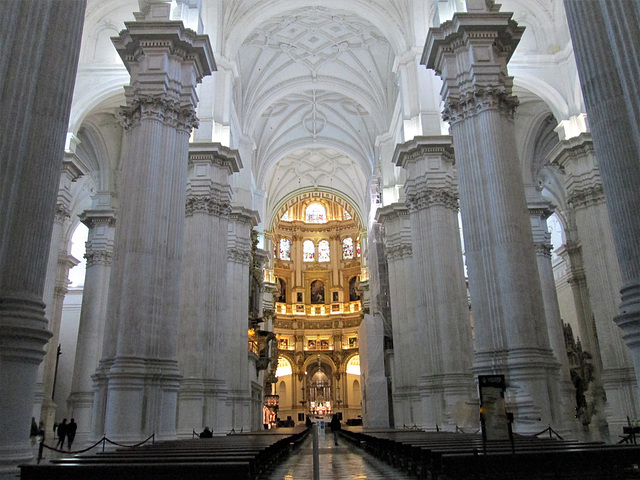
{"points": [[32, 134], [582, 181], [202, 395], [232, 350], [138, 378], [540, 210], [56, 286], [409, 341], [601, 32], [470, 53], [441, 304], [100, 220]]}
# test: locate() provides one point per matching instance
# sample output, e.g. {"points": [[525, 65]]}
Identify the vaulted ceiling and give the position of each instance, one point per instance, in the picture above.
{"points": [[315, 89]]}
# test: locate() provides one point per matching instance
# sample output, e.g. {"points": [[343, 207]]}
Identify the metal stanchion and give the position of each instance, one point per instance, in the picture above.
{"points": [[316, 454]]}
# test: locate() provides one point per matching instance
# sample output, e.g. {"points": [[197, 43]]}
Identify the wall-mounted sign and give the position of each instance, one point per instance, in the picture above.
{"points": [[493, 413]]}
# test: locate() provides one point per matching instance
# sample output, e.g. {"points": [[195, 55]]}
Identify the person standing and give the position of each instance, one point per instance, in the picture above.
{"points": [[335, 427], [71, 432], [62, 433], [34, 431]]}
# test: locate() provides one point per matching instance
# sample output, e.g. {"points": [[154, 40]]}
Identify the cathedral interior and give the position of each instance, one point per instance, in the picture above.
{"points": [[248, 212]]}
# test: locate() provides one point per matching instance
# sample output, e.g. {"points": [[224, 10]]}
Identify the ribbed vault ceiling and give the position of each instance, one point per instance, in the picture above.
{"points": [[315, 88]]}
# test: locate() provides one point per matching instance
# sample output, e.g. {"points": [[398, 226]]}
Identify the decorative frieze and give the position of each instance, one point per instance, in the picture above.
{"points": [[543, 249], [470, 104], [430, 197], [98, 257], [586, 197], [210, 205], [239, 255]]}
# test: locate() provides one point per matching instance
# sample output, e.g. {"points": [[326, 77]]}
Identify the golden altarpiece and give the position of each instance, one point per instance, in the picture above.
{"points": [[317, 269]]}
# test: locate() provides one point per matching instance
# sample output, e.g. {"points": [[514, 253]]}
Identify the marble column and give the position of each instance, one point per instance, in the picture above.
{"points": [[441, 305], [100, 220], [232, 343], [576, 156], [601, 33], [409, 341], [56, 286], [540, 210], [32, 136], [470, 53], [138, 378], [202, 396]]}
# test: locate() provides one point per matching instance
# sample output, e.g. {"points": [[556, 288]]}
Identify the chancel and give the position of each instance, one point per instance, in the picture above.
{"points": [[248, 214]]}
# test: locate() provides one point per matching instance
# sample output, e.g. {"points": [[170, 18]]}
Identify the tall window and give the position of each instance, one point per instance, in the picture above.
{"points": [[323, 251], [316, 213], [308, 251], [285, 249], [358, 249], [347, 248]]}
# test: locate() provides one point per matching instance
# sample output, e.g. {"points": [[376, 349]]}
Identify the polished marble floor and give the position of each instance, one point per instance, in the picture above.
{"points": [[344, 461]]}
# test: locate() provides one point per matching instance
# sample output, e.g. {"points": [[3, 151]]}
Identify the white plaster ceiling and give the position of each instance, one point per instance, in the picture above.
{"points": [[315, 88]]}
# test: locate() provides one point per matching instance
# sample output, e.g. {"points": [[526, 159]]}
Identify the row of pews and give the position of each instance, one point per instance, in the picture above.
{"points": [[239, 457], [461, 456]]}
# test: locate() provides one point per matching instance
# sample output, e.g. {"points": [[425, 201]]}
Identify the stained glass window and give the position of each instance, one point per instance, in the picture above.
{"points": [[285, 249], [347, 248], [323, 251], [316, 213], [358, 249], [308, 251]]}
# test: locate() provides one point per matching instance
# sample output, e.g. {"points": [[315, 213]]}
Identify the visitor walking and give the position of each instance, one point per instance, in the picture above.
{"points": [[62, 433], [335, 427], [71, 432]]}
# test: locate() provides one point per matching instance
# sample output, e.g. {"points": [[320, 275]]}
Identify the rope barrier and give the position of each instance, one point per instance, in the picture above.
{"points": [[102, 441]]}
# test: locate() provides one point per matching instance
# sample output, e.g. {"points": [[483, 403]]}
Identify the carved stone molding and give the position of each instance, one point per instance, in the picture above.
{"points": [[431, 197], [98, 257], [239, 255], [398, 252], [62, 213], [159, 108], [207, 204], [472, 103], [586, 197], [543, 249]]}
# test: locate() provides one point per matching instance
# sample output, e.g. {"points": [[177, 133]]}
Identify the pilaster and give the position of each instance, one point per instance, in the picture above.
{"points": [[139, 373], [408, 340], [56, 285], [232, 343], [470, 53], [100, 221], [441, 307], [202, 396], [576, 157], [539, 211]]}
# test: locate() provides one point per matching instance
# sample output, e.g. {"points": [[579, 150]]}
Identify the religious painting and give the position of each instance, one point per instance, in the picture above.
{"points": [[317, 291], [299, 297], [335, 296], [283, 343], [311, 344], [353, 289], [353, 342], [324, 344], [300, 308], [281, 292]]}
